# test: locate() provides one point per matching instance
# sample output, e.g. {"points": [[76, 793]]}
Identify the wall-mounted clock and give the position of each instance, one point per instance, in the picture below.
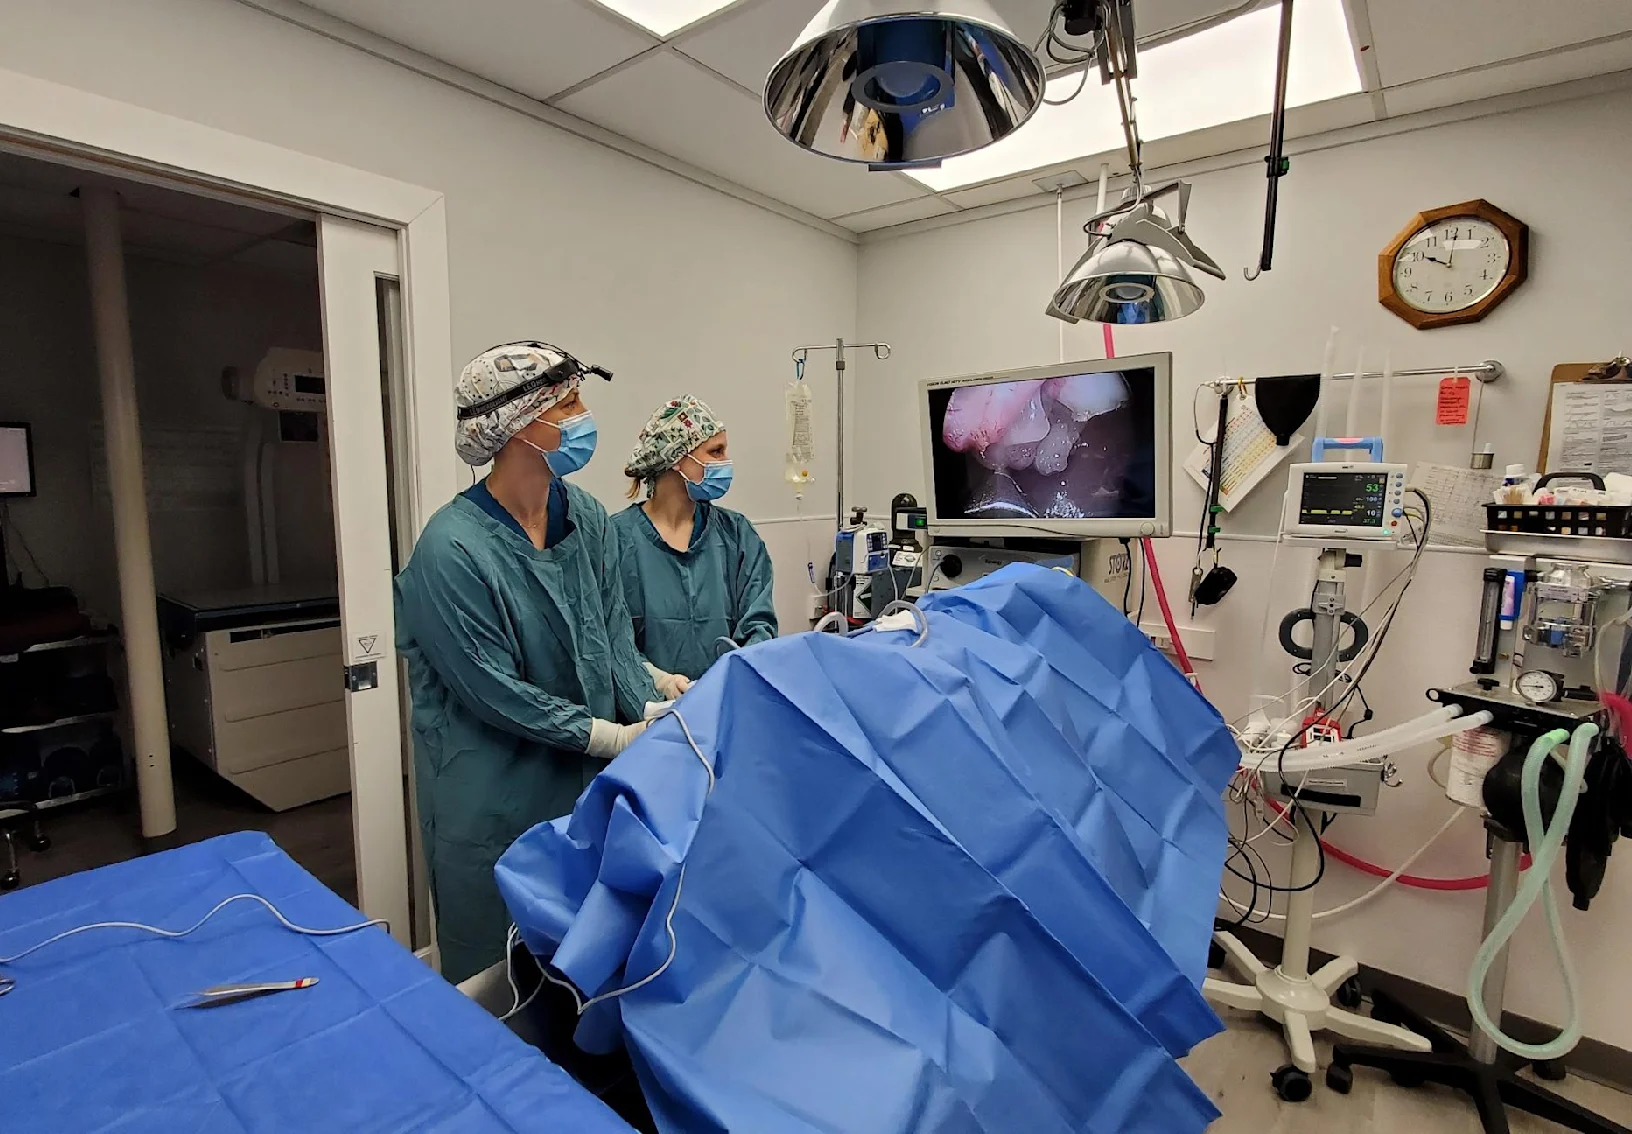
{"points": [[1453, 265]]}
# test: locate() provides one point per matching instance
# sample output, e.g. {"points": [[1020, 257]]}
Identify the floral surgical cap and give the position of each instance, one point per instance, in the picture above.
{"points": [[678, 427], [488, 418]]}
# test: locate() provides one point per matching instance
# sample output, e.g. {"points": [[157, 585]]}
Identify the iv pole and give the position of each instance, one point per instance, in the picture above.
{"points": [[839, 346], [880, 351]]}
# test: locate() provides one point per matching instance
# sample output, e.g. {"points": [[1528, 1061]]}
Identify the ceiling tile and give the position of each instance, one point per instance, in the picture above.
{"points": [[669, 103], [536, 49], [1165, 154], [745, 43], [1524, 74], [665, 17], [900, 213], [1414, 40]]}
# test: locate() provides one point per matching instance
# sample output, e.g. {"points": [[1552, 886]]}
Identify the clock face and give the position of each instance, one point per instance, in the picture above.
{"points": [[1451, 265]]}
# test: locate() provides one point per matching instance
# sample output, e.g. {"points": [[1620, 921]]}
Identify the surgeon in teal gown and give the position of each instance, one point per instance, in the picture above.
{"points": [[696, 576], [521, 658]]}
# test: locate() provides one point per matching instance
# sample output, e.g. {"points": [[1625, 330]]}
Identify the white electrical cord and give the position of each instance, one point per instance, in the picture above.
{"points": [[1295, 715], [7, 984], [1320, 756], [1353, 904], [668, 924]]}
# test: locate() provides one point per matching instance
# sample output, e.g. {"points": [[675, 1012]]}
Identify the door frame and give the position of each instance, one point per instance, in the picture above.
{"points": [[69, 126]]}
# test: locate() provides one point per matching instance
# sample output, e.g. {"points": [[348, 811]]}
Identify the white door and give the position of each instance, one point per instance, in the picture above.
{"points": [[352, 259]]}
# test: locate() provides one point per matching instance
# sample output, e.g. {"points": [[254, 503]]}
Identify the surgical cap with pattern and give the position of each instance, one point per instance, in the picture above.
{"points": [[492, 373], [678, 427]]}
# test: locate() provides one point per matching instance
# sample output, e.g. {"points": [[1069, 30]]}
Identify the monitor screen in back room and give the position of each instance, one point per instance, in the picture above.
{"points": [[16, 464], [1079, 447]]}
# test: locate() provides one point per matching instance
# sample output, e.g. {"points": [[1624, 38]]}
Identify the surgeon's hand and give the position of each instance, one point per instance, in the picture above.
{"points": [[606, 739], [671, 685]]}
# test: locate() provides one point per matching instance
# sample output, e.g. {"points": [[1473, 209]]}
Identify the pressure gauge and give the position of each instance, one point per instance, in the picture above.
{"points": [[1537, 686]]}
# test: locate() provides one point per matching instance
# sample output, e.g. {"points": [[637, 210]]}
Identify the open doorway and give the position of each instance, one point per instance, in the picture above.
{"points": [[227, 331]]}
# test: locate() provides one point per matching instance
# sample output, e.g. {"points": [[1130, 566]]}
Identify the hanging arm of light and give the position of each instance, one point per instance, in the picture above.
{"points": [[1139, 223], [1276, 165]]}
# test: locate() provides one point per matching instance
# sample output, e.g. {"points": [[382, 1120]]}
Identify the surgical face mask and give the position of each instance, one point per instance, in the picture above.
{"points": [[578, 437], [715, 483]]}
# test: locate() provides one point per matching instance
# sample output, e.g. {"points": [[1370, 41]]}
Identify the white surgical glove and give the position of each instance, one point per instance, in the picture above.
{"points": [[606, 739], [671, 685]]}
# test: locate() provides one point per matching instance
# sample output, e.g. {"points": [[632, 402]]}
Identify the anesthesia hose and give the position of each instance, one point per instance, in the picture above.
{"points": [[1545, 842]]}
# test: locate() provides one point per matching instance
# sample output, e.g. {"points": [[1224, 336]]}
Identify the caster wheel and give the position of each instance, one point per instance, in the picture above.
{"points": [[10, 881], [1551, 1070], [38, 843], [1292, 1084], [1215, 955], [1340, 1078], [1349, 995], [1407, 1079]]}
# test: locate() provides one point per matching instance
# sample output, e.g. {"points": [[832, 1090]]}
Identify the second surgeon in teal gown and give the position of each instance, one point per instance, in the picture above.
{"points": [[696, 576], [523, 667]]}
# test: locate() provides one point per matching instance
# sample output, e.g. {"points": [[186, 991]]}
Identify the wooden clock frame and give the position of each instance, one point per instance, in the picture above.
{"points": [[1518, 265]]}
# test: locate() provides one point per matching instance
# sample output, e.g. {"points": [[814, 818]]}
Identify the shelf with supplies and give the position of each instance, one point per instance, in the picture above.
{"points": [[51, 802], [61, 738], [60, 722], [77, 642]]}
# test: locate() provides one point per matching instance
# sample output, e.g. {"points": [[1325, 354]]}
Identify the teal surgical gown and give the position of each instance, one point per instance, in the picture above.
{"points": [[684, 602], [511, 652]]}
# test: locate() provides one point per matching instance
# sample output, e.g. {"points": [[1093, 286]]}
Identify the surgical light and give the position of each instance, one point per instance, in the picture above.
{"points": [[894, 84], [1137, 268]]}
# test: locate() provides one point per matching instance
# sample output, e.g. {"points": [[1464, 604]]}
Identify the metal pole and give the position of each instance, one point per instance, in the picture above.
{"points": [[1328, 607], [1487, 371], [838, 476], [121, 427], [1300, 904], [1504, 883]]}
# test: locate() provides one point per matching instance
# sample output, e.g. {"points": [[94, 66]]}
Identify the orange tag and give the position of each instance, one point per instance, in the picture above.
{"points": [[1453, 401]]}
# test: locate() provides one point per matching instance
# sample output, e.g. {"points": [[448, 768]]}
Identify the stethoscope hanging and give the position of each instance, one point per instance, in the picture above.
{"points": [[1210, 589]]}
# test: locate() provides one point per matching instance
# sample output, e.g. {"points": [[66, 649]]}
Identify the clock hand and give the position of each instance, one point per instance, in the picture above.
{"points": [[1432, 260]]}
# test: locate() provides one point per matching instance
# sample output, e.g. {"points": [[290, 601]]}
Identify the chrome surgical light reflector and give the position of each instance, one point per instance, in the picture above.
{"points": [[1137, 270], [894, 84]]}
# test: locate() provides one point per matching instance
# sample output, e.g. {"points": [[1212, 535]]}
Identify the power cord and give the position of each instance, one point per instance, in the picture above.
{"points": [[8, 983], [578, 1000]]}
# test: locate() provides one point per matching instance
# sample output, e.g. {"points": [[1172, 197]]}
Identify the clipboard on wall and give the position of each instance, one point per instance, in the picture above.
{"points": [[1588, 424]]}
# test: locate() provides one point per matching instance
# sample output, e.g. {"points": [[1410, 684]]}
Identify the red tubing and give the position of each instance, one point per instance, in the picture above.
{"points": [[1167, 611], [1155, 571], [1354, 861]]}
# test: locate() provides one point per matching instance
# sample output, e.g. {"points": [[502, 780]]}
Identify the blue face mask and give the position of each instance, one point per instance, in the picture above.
{"points": [[578, 437], [715, 483]]}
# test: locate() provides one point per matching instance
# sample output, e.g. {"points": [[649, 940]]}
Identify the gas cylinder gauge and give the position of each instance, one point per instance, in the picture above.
{"points": [[1538, 686]]}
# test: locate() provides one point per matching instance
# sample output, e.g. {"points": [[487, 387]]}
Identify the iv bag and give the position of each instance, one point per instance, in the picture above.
{"points": [[801, 452]]}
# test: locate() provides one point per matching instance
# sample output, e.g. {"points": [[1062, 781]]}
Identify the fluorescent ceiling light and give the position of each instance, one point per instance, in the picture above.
{"points": [[665, 17], [1224, 74]]}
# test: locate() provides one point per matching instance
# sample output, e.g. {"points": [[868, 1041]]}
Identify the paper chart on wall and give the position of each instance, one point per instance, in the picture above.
{"points": [[1250, 453], [197, 469], [1458, 496], [1590, 428]]}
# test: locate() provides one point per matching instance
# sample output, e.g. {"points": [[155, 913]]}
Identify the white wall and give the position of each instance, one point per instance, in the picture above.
{"points": [[187, 324], [970, 297], [673, 286]]}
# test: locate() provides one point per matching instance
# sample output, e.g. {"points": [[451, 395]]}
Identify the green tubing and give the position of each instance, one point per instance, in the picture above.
{"points": [[1545, 844]]}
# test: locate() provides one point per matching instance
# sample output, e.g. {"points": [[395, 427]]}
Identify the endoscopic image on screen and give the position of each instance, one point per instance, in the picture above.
{"points": [[1080, 447]]}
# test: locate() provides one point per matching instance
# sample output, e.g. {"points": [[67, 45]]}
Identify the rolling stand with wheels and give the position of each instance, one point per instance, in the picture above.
{"points": [[13, 815], [1289, 994], [1478, 1068]]}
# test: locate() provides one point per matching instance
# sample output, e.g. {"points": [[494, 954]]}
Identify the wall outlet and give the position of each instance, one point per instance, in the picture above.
{"points": [[1198, 640], [818, 606]]}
